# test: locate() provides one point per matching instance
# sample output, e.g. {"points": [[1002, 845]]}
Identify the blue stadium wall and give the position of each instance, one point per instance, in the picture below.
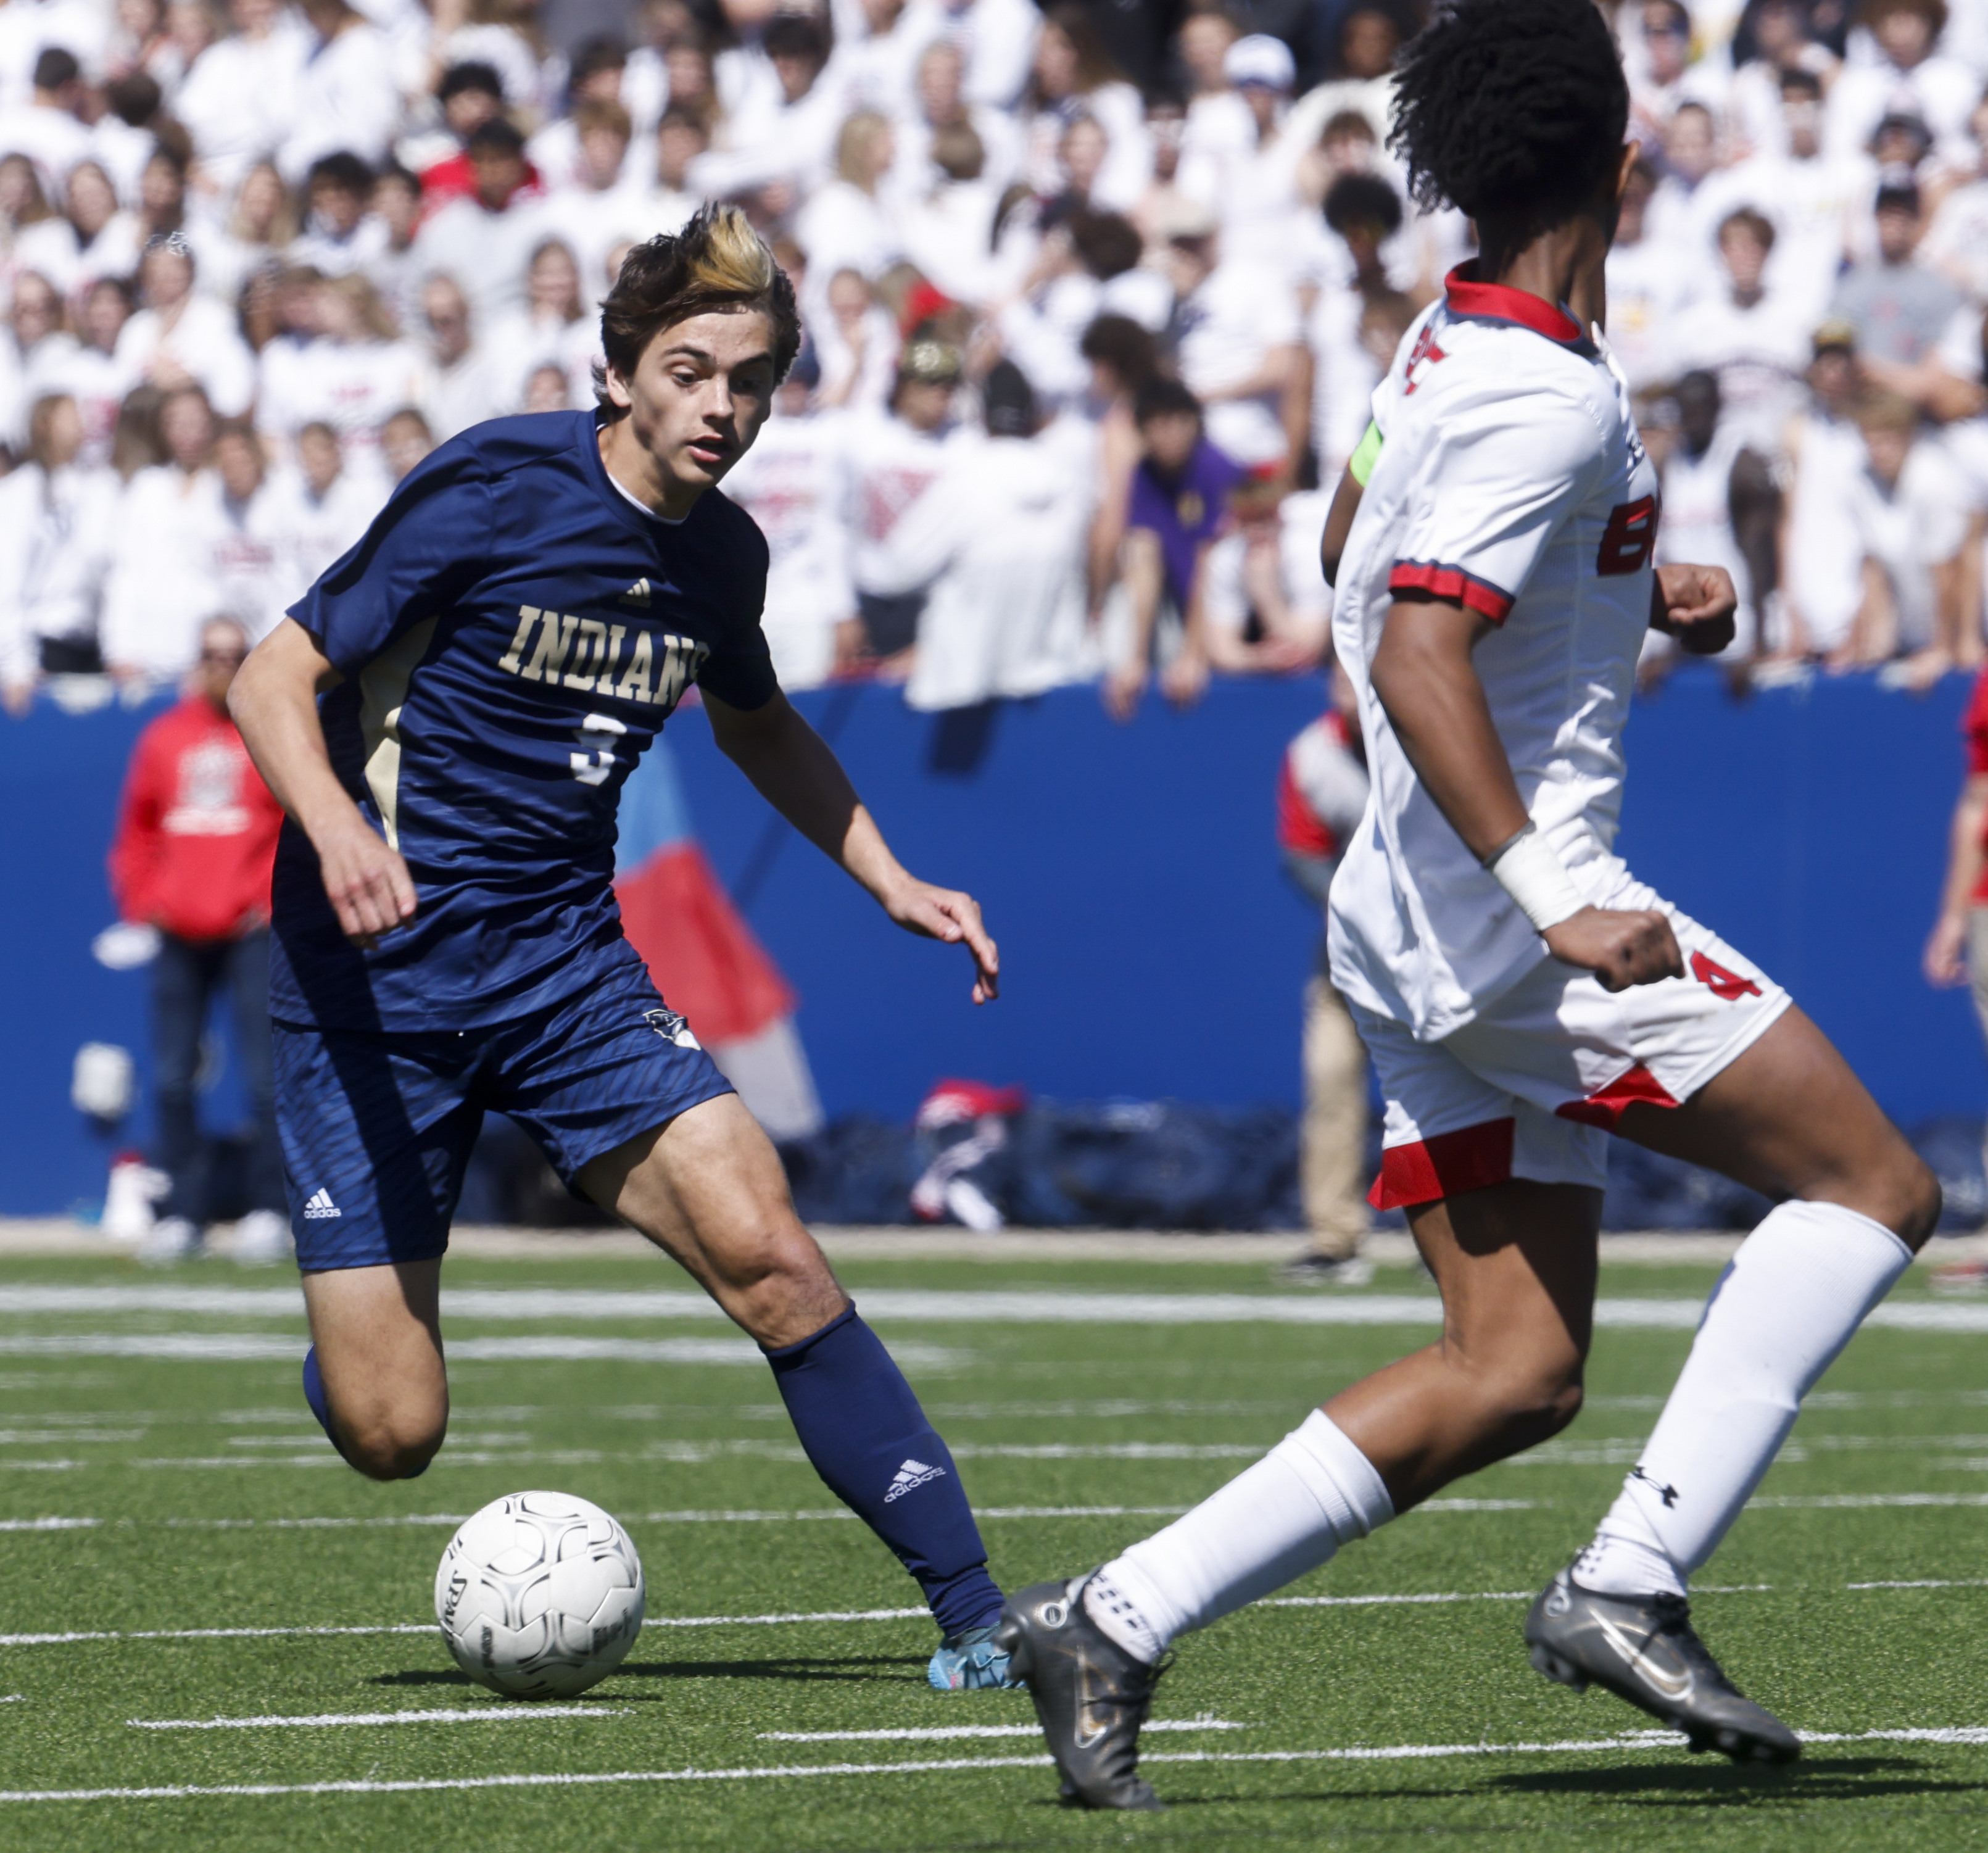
{"points": [[1150, 946]]}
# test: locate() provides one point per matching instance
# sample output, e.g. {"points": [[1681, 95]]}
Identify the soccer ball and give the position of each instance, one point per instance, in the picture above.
{"points": [[539, 1595]]}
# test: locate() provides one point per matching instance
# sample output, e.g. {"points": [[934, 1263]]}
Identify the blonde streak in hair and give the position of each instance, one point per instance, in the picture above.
{"points": [[734, 259]]}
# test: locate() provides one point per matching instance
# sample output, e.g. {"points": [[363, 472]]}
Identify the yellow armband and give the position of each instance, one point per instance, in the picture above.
{"points": [[1359, 466]]}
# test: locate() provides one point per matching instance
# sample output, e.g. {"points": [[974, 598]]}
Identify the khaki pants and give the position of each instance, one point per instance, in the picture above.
{"points": [[1333, 1140]]}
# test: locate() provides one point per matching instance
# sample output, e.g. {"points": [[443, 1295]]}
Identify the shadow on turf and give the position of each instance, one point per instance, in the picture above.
{"points": [[1714, 1785], [859, 1667]]}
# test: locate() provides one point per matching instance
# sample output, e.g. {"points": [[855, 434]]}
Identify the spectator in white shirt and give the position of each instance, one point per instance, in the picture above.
{"points": [[357, 372], [238, 98], [594, 77], [781, 139], [857, 344], [1698, 478], [1266, 608], [393, 268], [996, 545], [1647, 285], [58, 519], [1755, 343], [598, 208], [1074, 75], [91, 370], [92, 238], [250, 584], [34, 345], [942, 105], [1690, 154], [1774, 38], [681, 136], [847, 225], [788, 482], [46, 129], [553, 328], [1815, 200], [1238, 340], [340, 237], [1909, 76], [1822, 558], [161, 584], [485, 240], [261, 225], [318, 509], [462, 388], [180, 338], [892, 459], [404, 440], [1910, 526], [347, 95]]}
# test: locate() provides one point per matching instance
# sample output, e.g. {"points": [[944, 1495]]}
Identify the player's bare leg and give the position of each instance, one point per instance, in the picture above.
{"points": [[1789, 1118], [376, 1333], [1516, 1262], [708, 1188]]}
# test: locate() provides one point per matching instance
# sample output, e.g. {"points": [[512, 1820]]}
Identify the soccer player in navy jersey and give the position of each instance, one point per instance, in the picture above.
{"points": [[447, 717]]}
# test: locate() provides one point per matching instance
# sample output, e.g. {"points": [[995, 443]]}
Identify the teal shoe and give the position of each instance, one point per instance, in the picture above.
{"points": [[970, 1662]]}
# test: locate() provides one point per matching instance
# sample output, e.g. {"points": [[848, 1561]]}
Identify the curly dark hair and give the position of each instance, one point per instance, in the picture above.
{"points": [[1512, 111]]}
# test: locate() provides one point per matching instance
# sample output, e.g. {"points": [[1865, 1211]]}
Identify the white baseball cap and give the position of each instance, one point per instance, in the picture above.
{"points": [[1260, 59]]}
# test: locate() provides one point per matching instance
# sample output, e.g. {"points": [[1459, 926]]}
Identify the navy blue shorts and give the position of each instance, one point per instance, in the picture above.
{"points": [[378, 1126]]}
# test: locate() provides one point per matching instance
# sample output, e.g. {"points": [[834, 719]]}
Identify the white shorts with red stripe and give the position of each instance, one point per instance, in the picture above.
{"points": [[1532, 1087]]}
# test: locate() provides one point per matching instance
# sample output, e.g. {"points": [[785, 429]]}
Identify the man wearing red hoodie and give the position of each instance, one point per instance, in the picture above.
{"points": [[196, 840]]}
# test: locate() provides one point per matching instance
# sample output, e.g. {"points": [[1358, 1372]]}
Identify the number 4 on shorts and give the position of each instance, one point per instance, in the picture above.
{"points": [[1728, 986]]}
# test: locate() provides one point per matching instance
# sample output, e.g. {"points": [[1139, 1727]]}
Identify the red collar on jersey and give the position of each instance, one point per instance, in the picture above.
{"points": [[1500, 302]]}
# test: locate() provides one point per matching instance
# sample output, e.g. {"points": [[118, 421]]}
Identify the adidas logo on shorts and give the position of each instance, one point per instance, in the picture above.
{"points": [[912, 1474], [320, 1208]]}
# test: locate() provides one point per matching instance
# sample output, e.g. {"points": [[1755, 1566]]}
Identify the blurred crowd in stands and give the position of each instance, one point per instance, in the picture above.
{"points": [[1095, 297]]}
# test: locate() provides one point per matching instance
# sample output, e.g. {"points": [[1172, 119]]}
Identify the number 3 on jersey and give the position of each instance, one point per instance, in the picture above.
{"points": [[597, 733], [1628, 539]]}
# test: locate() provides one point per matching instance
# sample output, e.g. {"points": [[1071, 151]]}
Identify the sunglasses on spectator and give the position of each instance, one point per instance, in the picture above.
{"points": [[224, 656], [1665, 29]]}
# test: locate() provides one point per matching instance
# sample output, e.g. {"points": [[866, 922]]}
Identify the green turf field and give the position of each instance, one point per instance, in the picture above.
{"points": [[160, 1475]]}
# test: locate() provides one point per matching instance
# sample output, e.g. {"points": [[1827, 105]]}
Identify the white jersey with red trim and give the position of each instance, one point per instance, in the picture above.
{"points": [[1512, 480]]}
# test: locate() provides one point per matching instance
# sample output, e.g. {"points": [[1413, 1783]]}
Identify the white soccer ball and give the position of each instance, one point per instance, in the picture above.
{"points": [[539, 1595]]}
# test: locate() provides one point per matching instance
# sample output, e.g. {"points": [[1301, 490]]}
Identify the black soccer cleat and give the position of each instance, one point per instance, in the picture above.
{"points": [[1091, 1696], [1643, 1649]]}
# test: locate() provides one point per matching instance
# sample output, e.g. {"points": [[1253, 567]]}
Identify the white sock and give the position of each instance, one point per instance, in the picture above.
{"points": [[1314, 1492], [1797, 1288]]}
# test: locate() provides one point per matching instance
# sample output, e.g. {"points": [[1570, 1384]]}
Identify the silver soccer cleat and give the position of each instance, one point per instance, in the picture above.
{"points": [[1643, 1649]]}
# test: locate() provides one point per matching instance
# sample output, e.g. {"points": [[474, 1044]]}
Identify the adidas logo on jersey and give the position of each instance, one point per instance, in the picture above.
{"points": [[637, 594], [320, 1208], [912, 1474]]}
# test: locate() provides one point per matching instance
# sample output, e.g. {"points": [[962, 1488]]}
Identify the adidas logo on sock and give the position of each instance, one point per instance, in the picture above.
{"points": [[913, 1473], [320, 1207], [638, 593]]}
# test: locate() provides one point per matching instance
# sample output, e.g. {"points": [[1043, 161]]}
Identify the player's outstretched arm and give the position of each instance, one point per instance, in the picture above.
{"points": [[1423, 673], [796, 771], [274, 701]]}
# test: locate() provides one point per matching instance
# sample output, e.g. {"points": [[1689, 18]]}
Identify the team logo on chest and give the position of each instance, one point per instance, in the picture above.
{"points": [[585, 654]]}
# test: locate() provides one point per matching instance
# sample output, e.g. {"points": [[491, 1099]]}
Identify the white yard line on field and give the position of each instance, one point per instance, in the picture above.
{"points": [[932, 1733], [493, 1713], [783, 1618], [994, 1305], [1633, 1742]]}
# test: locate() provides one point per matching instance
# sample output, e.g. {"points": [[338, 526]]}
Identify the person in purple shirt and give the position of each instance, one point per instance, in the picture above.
{"points": [[1179, 509]]}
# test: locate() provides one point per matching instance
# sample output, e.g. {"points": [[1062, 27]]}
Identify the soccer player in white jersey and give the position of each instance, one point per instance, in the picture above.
{"points": [[1521, 994]]}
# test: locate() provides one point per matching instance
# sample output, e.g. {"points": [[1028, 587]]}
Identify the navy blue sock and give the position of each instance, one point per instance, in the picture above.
{"points": [[319, 1406], [863, 1430]]}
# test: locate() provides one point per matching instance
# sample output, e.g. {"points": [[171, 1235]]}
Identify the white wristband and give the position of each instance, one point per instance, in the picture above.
{"points": [[1534, 877]]}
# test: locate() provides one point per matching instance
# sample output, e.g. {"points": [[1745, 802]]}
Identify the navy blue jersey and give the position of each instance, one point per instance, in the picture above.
{"points": [[513, 631]]}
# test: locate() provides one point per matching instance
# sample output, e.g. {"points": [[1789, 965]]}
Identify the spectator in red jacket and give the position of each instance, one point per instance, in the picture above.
{"points": [[195, 842]]}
